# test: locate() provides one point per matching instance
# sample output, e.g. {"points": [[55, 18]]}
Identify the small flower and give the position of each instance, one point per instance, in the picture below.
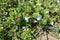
{"points": [[38, 18], [57, 1], [23, 27], [52, 23], [26, 18]]}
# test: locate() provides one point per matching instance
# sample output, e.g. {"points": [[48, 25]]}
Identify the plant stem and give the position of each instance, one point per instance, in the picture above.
{"points": [[46, 35]]}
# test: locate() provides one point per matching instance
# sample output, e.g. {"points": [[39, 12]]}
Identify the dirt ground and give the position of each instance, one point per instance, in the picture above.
{"points": [[42, 36]]}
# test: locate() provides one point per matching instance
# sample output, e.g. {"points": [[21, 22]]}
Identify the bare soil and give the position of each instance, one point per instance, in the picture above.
{"points": [[42, 36]]}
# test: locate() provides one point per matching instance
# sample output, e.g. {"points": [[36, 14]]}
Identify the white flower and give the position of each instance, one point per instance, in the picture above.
{"points": [[57, 1], [52, 23], [23, 27], [38, 18], [26, 18]]}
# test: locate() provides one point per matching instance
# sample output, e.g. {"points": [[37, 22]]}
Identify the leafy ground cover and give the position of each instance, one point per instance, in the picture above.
{"points": [[25, 19]]}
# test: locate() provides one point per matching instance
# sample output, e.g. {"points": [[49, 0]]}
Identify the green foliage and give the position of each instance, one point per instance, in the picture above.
{"points": [[19, 19]]}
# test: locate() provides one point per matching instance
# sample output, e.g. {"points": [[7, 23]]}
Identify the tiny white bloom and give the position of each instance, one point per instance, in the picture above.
{"points": [[26, 18], [23, 27], [38, 18], [57, 1], [52, 23]]}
